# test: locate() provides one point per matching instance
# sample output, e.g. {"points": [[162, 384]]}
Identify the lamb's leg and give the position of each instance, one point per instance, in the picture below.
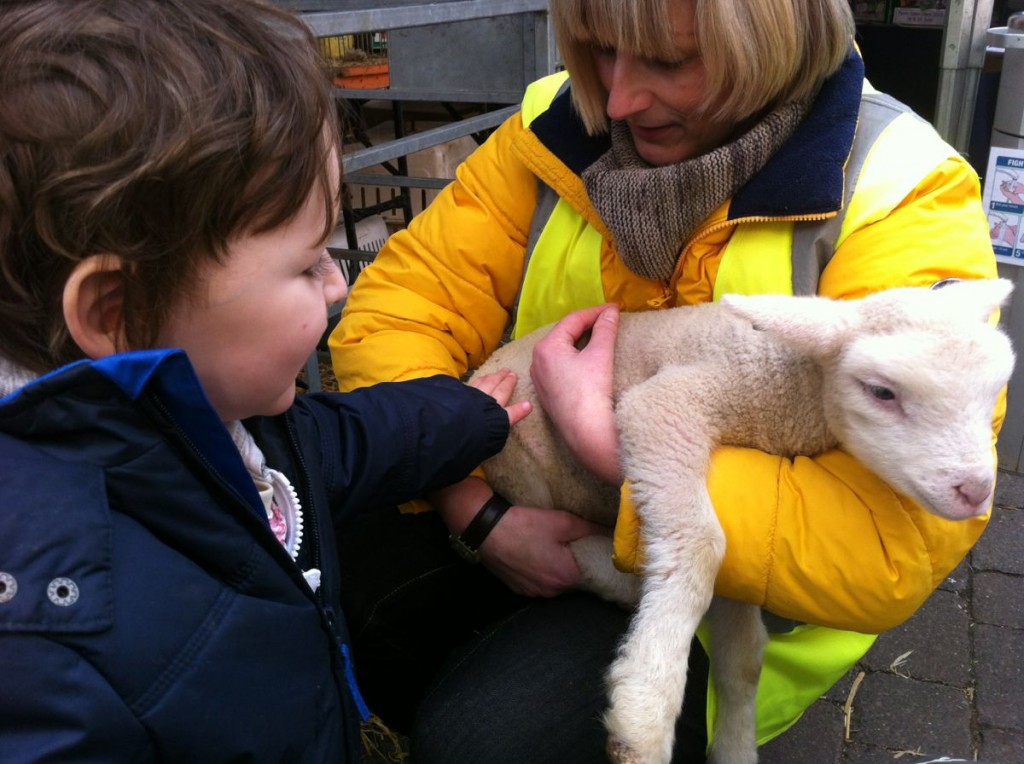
{"points": [[666, 449], [738, 638], [599, 575]]}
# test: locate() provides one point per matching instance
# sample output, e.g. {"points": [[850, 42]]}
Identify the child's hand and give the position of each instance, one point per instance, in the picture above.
{"points": [[500, 385], [575, 387]]}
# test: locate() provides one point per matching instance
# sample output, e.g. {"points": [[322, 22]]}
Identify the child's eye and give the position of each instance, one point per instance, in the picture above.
{"points": [[322, 268]]}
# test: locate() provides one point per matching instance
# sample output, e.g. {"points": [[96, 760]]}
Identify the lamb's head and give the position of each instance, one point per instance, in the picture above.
{"points": [[912, 376]]}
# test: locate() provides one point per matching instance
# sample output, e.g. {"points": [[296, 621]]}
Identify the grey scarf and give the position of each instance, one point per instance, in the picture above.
{"points": [[651, 211]]}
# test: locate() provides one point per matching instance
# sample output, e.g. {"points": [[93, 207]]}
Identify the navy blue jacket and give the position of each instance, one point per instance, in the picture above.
{"points": [[147, 611]]}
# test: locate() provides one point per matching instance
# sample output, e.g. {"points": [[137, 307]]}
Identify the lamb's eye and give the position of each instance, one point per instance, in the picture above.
{"points": [[881, 393]]}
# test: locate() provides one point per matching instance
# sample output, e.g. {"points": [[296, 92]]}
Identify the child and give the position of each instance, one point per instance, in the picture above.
{"points": [[168, 573]]}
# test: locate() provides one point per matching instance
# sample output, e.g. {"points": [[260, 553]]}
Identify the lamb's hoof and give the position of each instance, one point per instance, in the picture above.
{"points": [[620, 753]]}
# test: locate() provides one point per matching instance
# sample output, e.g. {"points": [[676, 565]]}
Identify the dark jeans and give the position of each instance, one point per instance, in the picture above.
{"points": [[474, 673]]}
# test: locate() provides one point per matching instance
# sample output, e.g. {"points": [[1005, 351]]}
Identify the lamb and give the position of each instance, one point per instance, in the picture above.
{"points": [[906, 380]]}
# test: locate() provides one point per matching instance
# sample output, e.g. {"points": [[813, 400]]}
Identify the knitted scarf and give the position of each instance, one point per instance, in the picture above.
{"points": [[651, 211]]}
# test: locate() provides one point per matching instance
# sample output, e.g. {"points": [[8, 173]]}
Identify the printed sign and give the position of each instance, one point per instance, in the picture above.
{"points": [[919, 13], [1004, 203]]}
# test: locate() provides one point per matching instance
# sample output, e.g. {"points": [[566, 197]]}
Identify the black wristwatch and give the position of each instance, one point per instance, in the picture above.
{"points": [[467, 544]]}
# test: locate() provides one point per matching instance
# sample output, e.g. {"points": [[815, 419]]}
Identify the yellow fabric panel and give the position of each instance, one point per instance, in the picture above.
{"points": [[891, 172], [938, 230], [697, 271], [433, 302], [627, 554], [622, 286], [539, 95], [757, 261], [570, 280], [799, 667]]}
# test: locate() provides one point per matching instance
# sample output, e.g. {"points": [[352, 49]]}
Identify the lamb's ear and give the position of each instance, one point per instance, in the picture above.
{"points": [[816, 325], [976, 297]]}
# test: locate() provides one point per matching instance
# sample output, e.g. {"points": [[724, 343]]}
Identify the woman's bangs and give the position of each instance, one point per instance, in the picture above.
{"points": [[637, 27]]}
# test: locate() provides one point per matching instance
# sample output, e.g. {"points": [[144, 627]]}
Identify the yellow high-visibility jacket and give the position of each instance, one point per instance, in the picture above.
{"points": [[864, 196]]}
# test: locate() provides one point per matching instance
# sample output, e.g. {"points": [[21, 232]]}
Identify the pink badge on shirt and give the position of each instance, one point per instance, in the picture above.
{"points": [[277, 522]]}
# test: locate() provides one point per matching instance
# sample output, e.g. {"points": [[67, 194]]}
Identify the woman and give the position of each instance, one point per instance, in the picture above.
{"points": [[697, 147]]}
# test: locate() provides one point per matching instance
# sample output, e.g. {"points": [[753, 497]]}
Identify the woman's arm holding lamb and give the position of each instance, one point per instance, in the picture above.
{"points": [[897, 553], [545, 567], [821, 540], [430, 303]]}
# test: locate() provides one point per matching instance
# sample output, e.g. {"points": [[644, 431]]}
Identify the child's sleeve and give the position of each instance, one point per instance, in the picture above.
{"points": [[395, 441]]}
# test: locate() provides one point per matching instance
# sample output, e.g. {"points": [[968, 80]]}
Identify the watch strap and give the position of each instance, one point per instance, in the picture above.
{"points": [[467, 544]]}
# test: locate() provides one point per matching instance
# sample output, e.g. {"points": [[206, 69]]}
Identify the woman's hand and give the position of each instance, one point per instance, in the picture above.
{"points": [[500, 385], [574, 387], [528, 548]]}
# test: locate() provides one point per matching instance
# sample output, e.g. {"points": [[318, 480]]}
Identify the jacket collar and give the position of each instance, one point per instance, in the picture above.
{"points": [[805, 177], [166, 373]]}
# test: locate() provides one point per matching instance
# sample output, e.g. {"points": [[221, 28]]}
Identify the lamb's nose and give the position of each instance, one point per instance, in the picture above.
{"points": [[976, 490]]}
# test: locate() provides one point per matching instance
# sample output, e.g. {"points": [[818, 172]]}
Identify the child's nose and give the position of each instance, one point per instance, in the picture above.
{"points": [[335, 287]]}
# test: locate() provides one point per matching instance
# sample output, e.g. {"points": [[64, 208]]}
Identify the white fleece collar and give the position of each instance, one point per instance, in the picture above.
{"points": [[281, 502]]}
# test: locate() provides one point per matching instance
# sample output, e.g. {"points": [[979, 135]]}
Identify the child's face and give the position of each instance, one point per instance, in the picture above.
{"points": [[259, 316]]}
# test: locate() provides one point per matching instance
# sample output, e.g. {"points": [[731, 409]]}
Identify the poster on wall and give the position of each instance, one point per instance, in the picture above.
{"points": [[1003, 197], [919, 13]]}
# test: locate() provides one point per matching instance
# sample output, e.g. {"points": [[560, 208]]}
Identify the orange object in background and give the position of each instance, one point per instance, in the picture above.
{"points": [[364, 74]]}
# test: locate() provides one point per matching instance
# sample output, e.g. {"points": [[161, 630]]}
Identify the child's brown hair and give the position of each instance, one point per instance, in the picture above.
{"points": [[154, 130]]}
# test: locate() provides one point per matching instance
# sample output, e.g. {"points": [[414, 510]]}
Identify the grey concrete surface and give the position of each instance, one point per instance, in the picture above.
{"points": [[947, 683]]}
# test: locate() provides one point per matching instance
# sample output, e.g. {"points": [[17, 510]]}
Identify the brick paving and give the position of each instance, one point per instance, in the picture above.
{"points": [[948, 682]]}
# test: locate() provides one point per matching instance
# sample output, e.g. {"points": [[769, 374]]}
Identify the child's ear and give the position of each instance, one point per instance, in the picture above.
{"points": [[93, 305]]}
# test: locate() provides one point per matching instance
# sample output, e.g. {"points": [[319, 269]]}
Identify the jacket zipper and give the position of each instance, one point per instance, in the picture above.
{"points": [[668, 294], [326, 613], [810, 218], [311, 522], [248, 513], [348, 667]]}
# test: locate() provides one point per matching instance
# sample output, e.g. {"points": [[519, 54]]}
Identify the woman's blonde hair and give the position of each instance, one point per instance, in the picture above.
{"points": [[756, 53]]}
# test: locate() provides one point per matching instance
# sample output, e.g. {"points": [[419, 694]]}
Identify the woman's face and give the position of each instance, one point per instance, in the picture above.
{"points": [[659, 100]]}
